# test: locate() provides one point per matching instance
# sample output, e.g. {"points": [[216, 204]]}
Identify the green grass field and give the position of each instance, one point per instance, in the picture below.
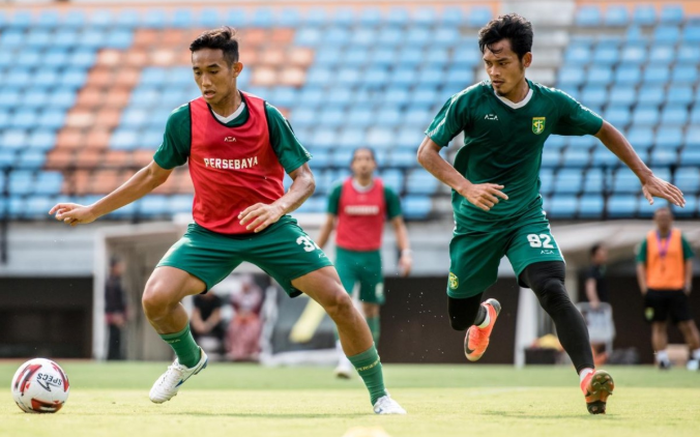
{"points": [[465, 400]]}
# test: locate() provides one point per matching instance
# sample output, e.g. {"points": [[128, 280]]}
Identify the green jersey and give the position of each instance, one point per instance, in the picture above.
{"points": [[503, 145], [175, 148]]}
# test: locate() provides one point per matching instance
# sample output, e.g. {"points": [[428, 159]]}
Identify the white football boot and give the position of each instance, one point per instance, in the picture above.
{"points": [[169, 382], [386, 405]]}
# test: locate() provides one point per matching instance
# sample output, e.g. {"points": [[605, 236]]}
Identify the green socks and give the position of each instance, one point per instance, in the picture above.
{"points": [[185, 348], [369, 368], [373, 323]]}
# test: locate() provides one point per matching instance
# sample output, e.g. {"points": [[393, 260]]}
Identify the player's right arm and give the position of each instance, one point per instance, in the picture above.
{"points": [[326, 230], [143, 182], [452, 119], [592, 292], [173, 151]]}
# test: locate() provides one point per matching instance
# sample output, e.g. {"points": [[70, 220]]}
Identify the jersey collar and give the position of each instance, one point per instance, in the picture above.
{"points": [[360, 188], [513, 105]]}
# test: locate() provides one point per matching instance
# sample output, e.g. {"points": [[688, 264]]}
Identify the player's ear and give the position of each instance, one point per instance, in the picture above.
{"points": [[527, 59], [237, 67]]}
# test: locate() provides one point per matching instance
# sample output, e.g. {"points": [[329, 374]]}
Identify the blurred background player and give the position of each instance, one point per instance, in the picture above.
{"points": [[244, 330], [497, 205], [665, 274], [206, 320], [240, 214], [358, 208], [596, 292], [115, 309]]}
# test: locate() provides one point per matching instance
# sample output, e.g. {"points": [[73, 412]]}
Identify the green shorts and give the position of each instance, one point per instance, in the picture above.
{"points": [[283, 251], [364, 268], [475, 256]]}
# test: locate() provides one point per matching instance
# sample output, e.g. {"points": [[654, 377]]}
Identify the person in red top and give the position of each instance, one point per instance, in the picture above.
{"points": [[358, 208], [238, 148]]}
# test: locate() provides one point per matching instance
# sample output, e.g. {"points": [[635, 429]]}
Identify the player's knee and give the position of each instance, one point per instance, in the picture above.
{"points": [[156, 300], [339, 306], [552, 293]]}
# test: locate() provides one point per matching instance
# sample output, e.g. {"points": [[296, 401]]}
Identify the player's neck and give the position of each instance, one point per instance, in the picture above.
{"points": [[364, 182], [228, 106], [519, 92], [664, 232]]}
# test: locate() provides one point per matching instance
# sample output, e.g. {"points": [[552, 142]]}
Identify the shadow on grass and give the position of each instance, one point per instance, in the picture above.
{"points": [[274, 415], [542, 415]]}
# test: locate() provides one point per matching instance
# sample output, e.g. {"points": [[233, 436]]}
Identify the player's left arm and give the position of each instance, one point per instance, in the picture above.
{"points": [[406, 258], [688, 257], [652, 186], [259, 216]]}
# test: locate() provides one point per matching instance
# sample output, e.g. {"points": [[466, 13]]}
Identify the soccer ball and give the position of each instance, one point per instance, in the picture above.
{"points": [[40, 386]]}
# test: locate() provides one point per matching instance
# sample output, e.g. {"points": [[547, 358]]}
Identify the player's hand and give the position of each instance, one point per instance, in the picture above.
{"points": [[483, 196], [657, 187], [260, 216], [405, 264], [73, 214]]}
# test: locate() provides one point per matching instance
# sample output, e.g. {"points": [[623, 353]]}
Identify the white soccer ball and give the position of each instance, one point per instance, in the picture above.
{"points": [[40, 386]]}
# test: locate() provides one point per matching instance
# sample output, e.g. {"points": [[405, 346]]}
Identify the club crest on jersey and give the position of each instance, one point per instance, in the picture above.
{"points": [[454, 281], [538, 125]]}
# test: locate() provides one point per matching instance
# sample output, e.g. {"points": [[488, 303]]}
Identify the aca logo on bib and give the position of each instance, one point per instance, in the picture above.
{"points": [[454, 281], [538, 125]]}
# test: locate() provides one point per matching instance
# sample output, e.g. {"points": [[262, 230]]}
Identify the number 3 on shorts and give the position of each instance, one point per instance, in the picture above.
{"points": [[542, 240], [309, 244]]}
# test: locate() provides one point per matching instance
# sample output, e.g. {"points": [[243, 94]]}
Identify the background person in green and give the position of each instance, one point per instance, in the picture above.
{"points": [[359, 206], [497, 206]]}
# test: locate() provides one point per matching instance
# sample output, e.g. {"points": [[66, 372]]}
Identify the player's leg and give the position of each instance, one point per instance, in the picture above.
{"points": [[347, 268], [372, 290], [324, 287], [680, 313], [474, 260], [657, 306], [193, 265], [290, 256]]}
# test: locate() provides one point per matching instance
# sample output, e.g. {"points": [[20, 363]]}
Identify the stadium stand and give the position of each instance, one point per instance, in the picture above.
{"points": [[88, 105]]}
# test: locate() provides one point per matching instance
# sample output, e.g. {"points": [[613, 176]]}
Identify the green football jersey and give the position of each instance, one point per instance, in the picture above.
{"points": [[503, 145]]}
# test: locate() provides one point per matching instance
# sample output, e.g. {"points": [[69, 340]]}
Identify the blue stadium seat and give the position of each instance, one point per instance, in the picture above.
{"points": [[616, 16], [30, 158], [687, 179], [323, 138], [4, 120], [14, 139], [674, 115], [9, 98], [591, 207], [179, 203], [56, 57], [42, 140], [656, 75], [62, 98], [679, 95], [303, 117], [618, 116], [124, 140], [28, 59], [599, 75], [690, 209], [662, 54], [669, 136], [633, 54], [431, 77], [331, 117], [571, 76], [409, 58], [644, 15], [546, 181], [562, 206], [394, 179], [418, 37], [667, 34], [691, 34], [343, 16], [37, 207], [65, 38], [594, 95], [127, 19], [663, 157], [695, 114], [445, 37], [589, 16], [622, 205], [625, 181], [595, 180], [73, 78], [73, 18], [478, 16], [692, 137], [606, 55], [421, 182], [376, 77], [308, 37], [341, 158], [580, 55], [402, 157], [153, 205], [416, 207], [690, 156], [24, 118], [645, 116], [388, 116], [551, 157], [576, 157], [689, 53], [360, 117], [684, 74], [21, 182], [672, 14], [568, 181], [390, 36], [627, 76], [452, 16]]}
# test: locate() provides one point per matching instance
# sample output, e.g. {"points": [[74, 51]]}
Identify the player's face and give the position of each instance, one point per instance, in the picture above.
{"points": [[504, 68], [363, 164], [215, 78], [663, 219], [601, 255]]}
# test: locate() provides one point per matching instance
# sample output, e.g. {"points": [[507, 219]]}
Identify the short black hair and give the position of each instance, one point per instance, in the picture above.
{"points": [[596, 247], [369, 149], [223, 38], [512, 27]]}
